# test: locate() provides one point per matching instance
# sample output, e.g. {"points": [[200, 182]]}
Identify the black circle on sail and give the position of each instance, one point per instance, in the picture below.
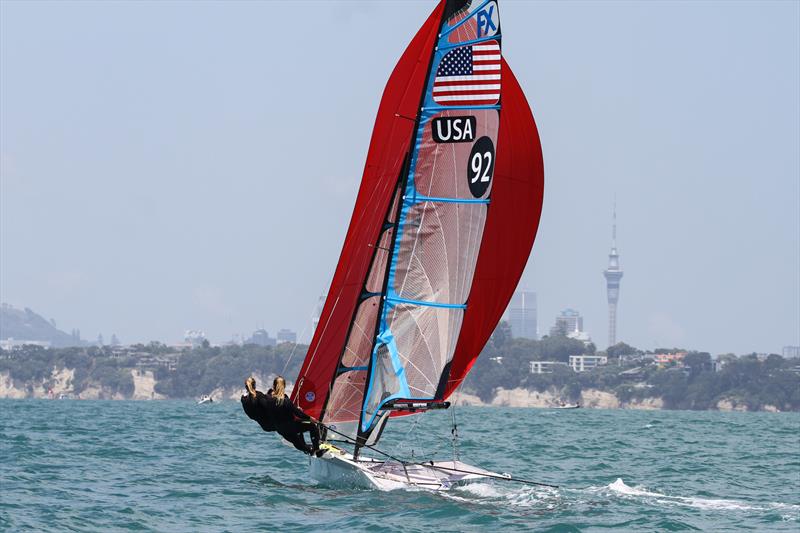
{"points": [[480, 166]]}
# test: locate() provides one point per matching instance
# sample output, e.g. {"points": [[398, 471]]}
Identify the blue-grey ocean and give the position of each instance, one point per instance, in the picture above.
{"points": [[177, 466]]}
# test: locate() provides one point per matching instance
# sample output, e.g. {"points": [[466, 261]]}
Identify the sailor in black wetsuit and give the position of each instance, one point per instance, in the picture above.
{"points": [[274, 411], [256, 405]]}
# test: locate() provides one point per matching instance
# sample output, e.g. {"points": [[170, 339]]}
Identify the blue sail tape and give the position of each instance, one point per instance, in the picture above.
{"points": [[343, 369], [385, 338], [388, 339], [449, 46], [464, 20], [422, 303], [435, 108], [419, 198]]}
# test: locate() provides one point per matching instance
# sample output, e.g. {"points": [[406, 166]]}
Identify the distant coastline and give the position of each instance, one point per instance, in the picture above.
{"points": [[59, 387], [509, 372]]}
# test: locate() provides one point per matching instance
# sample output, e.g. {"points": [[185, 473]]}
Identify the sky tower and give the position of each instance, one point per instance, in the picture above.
{"points": [[613, 274]]}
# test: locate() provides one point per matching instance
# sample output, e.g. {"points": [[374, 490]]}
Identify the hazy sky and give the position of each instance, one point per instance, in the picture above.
{"points": [[168, 166]]}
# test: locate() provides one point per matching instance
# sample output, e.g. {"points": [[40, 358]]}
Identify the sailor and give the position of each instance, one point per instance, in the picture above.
{"points": [[274, 411]]}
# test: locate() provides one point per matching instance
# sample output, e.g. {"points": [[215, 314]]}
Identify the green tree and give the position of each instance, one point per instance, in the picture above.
{"points": [[621, 349], [697, 362]]}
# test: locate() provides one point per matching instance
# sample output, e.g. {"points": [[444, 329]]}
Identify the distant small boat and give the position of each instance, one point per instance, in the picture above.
{"points": [[568, 406], [205, 399]]}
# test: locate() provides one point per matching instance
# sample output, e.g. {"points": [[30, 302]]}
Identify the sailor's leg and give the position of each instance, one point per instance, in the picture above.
{"points": [[313, 430], [297, 441]]}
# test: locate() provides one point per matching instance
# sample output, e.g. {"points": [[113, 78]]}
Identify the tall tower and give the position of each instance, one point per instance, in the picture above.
{"points": [[613, 274]]}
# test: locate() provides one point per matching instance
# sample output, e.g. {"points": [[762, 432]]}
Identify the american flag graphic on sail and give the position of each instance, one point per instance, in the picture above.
{"points": [[469, 75]]}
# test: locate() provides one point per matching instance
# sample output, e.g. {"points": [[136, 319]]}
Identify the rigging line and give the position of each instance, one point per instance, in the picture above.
{"points": [[291, 354], [454, 432], [346, 275], [373, 448], [335, 303], [412, 430], [430, 464]]}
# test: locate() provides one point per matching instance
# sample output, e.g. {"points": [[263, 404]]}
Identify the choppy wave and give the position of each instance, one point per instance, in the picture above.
{"points": [[174, 466]]}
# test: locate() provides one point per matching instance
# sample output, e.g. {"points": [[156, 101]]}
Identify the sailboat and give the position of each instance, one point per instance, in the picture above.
{"points": [[443, 225]]}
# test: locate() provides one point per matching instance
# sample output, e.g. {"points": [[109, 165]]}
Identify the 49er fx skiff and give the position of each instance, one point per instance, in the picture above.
{"points": [[443, 224]]}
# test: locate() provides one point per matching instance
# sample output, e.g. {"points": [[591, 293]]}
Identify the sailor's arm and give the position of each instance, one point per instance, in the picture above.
{"points": [[296, 411]]}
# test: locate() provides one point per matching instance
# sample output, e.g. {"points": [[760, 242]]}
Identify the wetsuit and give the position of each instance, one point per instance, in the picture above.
{"points": [[258, 409], [289, 421]]}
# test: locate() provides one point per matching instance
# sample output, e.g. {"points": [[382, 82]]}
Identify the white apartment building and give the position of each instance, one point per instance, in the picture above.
{"points": [[583, 363], [545, 367]]}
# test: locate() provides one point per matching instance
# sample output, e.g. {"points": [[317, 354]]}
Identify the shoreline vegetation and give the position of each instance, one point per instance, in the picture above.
{"points": [[631, 379]]}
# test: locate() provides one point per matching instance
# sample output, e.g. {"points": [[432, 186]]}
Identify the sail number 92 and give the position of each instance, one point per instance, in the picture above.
{"points": [[481, 166], [478, 166]]}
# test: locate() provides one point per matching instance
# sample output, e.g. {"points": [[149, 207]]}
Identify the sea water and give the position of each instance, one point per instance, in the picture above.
{"points": [[177, 466]]}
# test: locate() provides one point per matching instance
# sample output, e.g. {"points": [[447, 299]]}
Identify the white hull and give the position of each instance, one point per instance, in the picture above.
{"points": [[338, 469]]}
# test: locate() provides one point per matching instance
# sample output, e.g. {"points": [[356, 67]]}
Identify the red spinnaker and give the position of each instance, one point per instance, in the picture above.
{"points": [[390, 142]]}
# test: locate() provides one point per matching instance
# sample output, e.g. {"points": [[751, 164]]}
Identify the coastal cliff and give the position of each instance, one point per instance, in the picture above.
{"points": [[156, 371], [59, 384]]}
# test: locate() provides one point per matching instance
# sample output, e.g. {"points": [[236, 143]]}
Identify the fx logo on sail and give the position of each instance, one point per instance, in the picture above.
{"points": [[453, 129], [486, 20]]}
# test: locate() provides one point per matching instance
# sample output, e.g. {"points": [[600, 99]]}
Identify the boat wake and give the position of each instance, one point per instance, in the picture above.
{"points": [[491, 493], [542, 500], [619, 488]]}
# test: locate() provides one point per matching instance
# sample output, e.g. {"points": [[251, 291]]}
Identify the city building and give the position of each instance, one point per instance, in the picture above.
{"points": [[791, 352], [194, 337], [613, 274], [287, 335], [584, 363], [582, 336], [149, 361], [545, 367], [663, 359], [15, 344], [569, 321], [262, 338], [522, 315]]}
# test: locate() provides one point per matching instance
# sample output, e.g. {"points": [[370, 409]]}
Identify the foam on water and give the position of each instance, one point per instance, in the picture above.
{"points": [[492, 493], [619, 487]]}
